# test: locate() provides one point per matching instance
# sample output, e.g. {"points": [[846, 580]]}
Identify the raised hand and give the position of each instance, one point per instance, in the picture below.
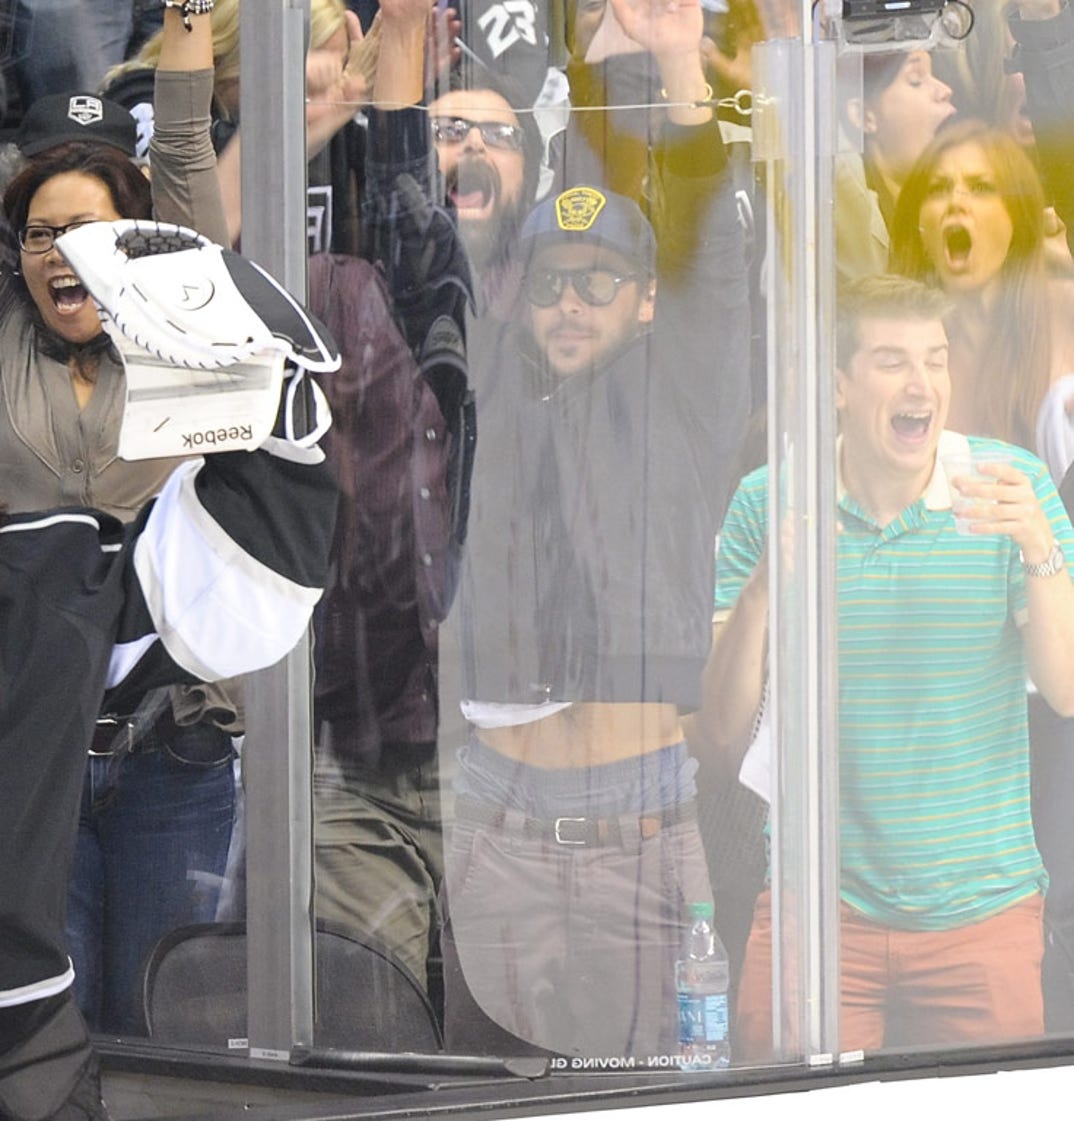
{"points": [[441, 50], [1007, 505], [664, 27], [348, 80], [361, 65]]}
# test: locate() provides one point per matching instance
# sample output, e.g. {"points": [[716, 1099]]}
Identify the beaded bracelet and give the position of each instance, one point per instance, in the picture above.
{"points": [[190, 8]]}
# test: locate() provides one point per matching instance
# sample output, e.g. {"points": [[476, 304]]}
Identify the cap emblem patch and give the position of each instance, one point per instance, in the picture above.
{"points": [[577, 209], [85, 110]]}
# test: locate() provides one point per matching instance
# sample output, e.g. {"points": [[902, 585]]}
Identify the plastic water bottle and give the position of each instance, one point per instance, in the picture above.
{"points": [[701, 978]]}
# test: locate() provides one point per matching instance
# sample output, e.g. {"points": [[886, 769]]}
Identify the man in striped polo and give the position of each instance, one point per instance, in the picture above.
{"points": [[942, 885]]}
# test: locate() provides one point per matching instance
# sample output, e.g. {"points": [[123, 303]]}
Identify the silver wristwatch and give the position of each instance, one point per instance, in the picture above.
{"points": [[1056, 562]]}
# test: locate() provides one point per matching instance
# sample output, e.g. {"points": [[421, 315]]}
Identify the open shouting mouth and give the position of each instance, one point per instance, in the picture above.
{"points": [[912, 426], [473, 186], [68, 294], [957, 247]]}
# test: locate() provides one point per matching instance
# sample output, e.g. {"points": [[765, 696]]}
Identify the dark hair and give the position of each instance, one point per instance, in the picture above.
{"points": [[884, 296], [866, 77], [128, 187], [1015, 377], [878, 71]]}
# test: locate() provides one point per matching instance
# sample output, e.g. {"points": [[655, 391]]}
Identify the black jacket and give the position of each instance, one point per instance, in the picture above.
{"points": [[589, 568]]}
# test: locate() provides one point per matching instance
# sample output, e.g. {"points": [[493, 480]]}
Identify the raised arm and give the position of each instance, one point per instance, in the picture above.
{"points": [[690, 155], [703, 310], [399, 139], [734, 677], [411, 232], [400, 78], [414, 236], [185, 186], [733, 681]]}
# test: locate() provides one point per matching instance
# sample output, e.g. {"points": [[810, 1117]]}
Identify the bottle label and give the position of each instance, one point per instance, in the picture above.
{"points": [[702, 1018]]}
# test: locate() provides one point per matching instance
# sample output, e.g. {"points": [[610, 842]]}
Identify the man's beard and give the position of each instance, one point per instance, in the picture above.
{"points": [[488, 239]]}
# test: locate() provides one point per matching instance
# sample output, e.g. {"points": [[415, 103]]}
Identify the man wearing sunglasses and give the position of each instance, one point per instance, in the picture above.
{"points": [[590, 286], [609, 412]]}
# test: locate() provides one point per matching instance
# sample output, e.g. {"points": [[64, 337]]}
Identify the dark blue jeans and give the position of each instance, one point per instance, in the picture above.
{"points": [[152, 845]]}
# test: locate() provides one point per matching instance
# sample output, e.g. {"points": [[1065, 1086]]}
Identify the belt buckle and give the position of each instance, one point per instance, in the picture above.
{"points": [[117, 723], [558, 830]]}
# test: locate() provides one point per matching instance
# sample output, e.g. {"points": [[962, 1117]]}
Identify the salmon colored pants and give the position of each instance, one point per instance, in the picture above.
{"points": [[975, 984]]}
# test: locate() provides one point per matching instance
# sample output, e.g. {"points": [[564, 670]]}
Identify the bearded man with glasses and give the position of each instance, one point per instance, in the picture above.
{"points": [[490, 157]]}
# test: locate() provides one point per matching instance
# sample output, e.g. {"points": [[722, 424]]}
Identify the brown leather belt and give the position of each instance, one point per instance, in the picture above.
{"points": [[580, 832]]}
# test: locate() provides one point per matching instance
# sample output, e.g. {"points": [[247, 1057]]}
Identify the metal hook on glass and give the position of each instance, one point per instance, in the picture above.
{"points": [[741, 103]]}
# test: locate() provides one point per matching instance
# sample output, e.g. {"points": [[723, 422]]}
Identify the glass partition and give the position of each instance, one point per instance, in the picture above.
{"points": [[790, 144], [944, 840], [663, 715]]}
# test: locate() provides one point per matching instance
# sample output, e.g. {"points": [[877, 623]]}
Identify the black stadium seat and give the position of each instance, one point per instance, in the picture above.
{"points": [[366, 999]]}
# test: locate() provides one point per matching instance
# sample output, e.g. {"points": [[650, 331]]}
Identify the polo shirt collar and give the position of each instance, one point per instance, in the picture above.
{"points": [[937, 495]]}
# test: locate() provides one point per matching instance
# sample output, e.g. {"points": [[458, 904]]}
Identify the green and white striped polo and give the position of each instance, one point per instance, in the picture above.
{"points": [[934, 763]]}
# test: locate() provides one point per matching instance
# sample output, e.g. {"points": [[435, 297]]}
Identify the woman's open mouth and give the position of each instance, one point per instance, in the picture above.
{"points": [[957, 246], [68, 294]]}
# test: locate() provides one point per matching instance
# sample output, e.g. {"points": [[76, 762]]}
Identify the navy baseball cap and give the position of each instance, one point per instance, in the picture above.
{"points": [[590, 216], [58, 118]]}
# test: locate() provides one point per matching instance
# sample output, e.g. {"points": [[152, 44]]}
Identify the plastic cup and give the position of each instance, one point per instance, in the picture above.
{"points": [[967, 465]]}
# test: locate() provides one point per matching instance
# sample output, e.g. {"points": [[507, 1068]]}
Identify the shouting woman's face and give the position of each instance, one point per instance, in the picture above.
{"points": [[965, 225], [64, 200]]}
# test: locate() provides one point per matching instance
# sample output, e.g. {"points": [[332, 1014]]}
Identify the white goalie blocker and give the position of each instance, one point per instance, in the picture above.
{"points": [[207, 340]]}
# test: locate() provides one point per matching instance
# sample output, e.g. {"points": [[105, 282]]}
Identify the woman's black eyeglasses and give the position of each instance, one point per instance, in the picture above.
{"points": [[40, 238], [454, 130], [597, 287]]}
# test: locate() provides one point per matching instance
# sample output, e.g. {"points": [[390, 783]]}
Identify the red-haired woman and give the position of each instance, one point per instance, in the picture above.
{"points": [[970, 218]]}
